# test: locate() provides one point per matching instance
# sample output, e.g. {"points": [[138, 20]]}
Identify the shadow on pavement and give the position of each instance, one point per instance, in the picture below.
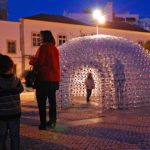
{"points": [[28, 143]]}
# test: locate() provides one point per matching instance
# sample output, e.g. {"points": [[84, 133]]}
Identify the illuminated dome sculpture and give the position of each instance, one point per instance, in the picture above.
{"points": [[121, 70]]}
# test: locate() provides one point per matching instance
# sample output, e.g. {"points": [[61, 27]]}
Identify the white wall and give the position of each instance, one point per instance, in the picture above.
{"points": [[30, 26], [108, 10], [11, 31], [131, 35]]}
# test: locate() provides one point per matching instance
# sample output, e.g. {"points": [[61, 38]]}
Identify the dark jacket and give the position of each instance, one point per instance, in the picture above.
{"points": [[10, 89]]}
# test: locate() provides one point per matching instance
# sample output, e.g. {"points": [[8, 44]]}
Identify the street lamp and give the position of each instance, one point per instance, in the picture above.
{"points": [[97, 15]]}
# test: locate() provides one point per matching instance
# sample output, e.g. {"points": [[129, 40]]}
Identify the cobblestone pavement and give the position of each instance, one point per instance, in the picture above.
{"points": [[82, 127]]}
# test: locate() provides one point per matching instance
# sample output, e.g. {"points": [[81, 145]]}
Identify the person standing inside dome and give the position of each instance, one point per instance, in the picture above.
{"points": [[48, 77], [90, 85]]}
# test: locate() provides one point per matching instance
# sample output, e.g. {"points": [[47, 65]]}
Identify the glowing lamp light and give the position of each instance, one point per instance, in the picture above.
{"points": [[97, 15], [101, 19]]}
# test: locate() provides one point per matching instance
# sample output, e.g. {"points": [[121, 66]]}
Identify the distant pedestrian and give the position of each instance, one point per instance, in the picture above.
{"points": [[90, 85], [10, 109], [48, 77]]}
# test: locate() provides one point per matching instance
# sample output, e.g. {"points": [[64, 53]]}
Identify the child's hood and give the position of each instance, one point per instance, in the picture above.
{"points": [[8, 82]]}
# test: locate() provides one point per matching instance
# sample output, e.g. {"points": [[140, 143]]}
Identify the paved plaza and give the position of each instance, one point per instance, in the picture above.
{"points": [[82, 127]]}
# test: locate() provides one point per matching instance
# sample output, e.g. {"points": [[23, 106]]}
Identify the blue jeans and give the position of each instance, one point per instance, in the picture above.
{"points": [[13, 126]]}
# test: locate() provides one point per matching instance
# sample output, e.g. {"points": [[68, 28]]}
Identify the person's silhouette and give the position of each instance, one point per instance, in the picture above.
{"points": [[119, 80]]}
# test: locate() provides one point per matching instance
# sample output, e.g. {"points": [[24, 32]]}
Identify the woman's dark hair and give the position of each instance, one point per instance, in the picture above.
{"points": [[47, 36], [6, 63]]}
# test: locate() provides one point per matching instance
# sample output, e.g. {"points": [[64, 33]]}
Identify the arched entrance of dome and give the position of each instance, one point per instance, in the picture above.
{"points": [[77, 87], [72, 86]]}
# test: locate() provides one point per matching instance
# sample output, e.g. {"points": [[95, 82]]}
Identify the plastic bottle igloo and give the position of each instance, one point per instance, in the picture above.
{"points": [[121, 70]]}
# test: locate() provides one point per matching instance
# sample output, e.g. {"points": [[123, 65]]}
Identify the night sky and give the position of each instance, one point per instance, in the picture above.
{"points": [[25, 8]]}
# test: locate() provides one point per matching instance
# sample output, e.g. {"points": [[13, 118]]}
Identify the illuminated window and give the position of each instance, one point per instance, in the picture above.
{"points": [[61, 39], [35, 39], [11, 46]]}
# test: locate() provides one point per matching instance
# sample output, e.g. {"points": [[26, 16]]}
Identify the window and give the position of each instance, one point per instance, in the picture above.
{"points": [[119, 19], [11, 46], [35, 39], [61, 39], [130, 19], [15, 69]]}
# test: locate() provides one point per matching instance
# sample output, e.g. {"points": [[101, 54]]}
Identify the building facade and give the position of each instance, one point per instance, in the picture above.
{"points": [[145, 23], [126, 17], [10, 42]]}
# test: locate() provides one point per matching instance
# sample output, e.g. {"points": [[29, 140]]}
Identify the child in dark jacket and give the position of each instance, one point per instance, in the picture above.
{"points": [[10, 108]]}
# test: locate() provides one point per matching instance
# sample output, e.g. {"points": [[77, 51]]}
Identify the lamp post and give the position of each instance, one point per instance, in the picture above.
{"points": [[97, 15]]}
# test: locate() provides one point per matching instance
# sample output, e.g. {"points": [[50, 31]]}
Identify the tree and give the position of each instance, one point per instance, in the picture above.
{"points": [[146, 45], [87, 10]]}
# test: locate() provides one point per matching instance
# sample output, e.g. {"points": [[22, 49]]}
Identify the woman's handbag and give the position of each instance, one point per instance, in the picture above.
{"points": [[31, 78]]}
